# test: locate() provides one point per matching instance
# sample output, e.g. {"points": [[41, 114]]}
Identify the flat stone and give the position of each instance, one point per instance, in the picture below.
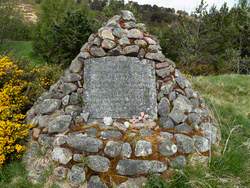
{"points": [[185, 144], [98, 163], [48, 106], [124, 41], [184, 128], [59, 124], [95, 182], [135, 34], [182, 82], [119, 32], [104, 95], [113, 22], [127, 15], [126, 150], [181, 106], [76, 175], [107, 34], [43, 121], [156, 56], [210, 132], [154, 48], [150, 41], [133, 183], [97, 52], [68, 88], [139, 167], [71, 77], [166, 136], [161, 65], [145, 132], [164, 72], [73, 109], [60, 172], [91, 132], [163, 107], [141, 43], [85, 143], [167, 148], [111, 134], [115, 51], [108, 44], [132, 50], [45, 140], [113, 149], [179, 162], [83, 55], [76, 65], [201, 144], [61, 155], [143, 148]]}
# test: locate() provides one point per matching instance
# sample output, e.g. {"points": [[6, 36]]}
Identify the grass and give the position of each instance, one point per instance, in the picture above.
{"points": [[229, 97], [20, 50]]}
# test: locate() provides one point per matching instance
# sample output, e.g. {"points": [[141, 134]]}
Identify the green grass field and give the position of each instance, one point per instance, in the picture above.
{"points": [[229, 98], [20, 50]]}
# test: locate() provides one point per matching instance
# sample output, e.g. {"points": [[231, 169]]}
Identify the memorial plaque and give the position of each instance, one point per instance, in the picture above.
{"points": [[119, 87]]}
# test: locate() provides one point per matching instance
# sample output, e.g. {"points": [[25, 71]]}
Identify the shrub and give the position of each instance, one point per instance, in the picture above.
{"points": [[20, 85], [12, 104], [13, 26], [62, 29]]}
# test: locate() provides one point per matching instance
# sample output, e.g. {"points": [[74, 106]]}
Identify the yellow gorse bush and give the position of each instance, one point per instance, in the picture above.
{"points": [[12, 104]]}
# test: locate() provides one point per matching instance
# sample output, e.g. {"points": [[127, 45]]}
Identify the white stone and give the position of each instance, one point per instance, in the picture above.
{"points": [[108, 121]]}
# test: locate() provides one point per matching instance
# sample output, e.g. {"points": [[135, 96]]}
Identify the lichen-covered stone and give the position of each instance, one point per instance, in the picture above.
{"points": [[135, 34], [143, 148], [201, 144], [108, 44], [156, 56], [85, 143], [163, 107], [113, 149], [210, 132], [59, 124], [61, 155], [139, 167], [179, 162], [95, 182], [60, 172], [97, 52], [126, 150], [76, 175], [111, 134], [185, 144], [48, 106], [131, 50], [167, 148], [127, 15], [98, 163], [184, 128]]}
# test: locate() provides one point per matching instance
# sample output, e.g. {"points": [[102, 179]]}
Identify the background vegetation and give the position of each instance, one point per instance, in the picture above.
{"points": [[212, 45]]}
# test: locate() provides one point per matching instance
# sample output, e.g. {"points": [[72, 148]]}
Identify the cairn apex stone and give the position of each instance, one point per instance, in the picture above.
{"points": [[127, 15]]}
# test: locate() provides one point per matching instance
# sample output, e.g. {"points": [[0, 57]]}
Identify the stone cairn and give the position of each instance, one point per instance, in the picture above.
{"points": [[74, 152]]}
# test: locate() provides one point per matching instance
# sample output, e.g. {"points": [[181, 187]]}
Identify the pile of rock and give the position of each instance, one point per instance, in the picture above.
{"points": [[79, 151]]}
